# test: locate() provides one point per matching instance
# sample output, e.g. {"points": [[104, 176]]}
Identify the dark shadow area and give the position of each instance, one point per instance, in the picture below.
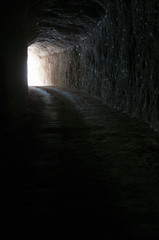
{"points": [[80, 157], [77, 169]]}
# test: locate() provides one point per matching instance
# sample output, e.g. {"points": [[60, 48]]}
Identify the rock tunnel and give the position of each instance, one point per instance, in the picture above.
{"points": [[80, 119], [105, 48]]}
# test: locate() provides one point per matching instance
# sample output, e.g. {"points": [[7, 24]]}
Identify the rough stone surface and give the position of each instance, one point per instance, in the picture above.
{"points": [[111, 50], [117, 59]]}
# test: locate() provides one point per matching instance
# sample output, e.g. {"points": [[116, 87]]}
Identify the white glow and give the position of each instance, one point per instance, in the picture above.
{"points": [[34, 76]]}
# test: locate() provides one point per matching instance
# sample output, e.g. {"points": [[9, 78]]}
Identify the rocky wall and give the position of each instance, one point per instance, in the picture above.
{"points": [[13, 61], [118, 61]]}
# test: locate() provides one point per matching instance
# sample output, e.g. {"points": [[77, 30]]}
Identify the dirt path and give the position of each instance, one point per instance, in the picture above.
{"points": [[78, 169]]}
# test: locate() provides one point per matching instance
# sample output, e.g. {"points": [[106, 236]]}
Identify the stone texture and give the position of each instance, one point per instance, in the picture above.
{"points": [[116, 60], [107, 48]]}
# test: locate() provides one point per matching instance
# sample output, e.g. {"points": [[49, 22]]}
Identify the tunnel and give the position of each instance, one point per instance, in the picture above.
{"points": [[80, 119], [107, 49]]}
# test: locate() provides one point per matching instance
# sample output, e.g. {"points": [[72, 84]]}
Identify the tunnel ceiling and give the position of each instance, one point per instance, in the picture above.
{"points": [[62, 23]]}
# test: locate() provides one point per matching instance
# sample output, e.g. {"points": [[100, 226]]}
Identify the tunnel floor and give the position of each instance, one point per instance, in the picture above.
{"points": [[74, 168]]}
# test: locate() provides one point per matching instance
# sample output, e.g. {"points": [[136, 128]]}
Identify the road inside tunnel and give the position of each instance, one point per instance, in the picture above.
{"points": [[78, 169]]}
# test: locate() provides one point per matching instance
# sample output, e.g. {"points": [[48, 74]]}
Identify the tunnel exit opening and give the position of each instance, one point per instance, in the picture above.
{"points": [[34, 66], [46, 65], [38, 67]]}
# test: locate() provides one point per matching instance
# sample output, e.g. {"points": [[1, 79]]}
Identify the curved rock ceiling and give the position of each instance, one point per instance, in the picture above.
{"points": [[62, 23]]}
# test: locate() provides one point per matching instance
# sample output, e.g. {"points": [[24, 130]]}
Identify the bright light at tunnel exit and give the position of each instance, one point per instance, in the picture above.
{"points": [[33, 66]]}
